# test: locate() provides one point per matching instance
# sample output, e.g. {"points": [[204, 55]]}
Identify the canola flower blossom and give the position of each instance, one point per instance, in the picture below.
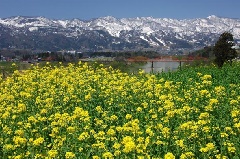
{"points": [[81, 111]]}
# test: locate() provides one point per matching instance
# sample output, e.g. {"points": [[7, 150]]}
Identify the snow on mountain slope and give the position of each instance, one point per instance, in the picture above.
{"points": [[154, 31]]}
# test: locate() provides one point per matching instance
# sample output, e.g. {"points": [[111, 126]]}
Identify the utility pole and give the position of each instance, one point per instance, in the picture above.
{"points": [[152, 67]]}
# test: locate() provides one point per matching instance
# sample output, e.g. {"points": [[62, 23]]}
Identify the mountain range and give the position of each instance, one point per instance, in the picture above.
{"points": [[110, 33]]}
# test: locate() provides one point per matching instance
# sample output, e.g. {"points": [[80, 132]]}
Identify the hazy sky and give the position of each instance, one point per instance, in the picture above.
{"points": [[88, 9]]}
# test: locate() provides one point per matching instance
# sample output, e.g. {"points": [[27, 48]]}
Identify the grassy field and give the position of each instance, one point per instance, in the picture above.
{"points": [[80, 111]]}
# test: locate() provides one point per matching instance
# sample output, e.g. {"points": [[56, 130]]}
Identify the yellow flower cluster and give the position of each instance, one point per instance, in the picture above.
{"points": [[83, 111]]}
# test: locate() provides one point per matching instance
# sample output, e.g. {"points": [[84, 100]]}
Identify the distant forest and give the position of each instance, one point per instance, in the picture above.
{"points": [[66, 56], [25, 55]]}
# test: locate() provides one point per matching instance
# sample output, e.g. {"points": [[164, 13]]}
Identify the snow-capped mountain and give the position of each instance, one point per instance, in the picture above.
{"points": [[109, 33]]}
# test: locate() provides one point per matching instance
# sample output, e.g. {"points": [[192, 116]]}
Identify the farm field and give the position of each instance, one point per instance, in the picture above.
{"points": [[80, 111]]}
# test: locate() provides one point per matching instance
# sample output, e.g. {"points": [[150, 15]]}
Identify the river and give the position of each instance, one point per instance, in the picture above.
{"points": [[160, 66]]}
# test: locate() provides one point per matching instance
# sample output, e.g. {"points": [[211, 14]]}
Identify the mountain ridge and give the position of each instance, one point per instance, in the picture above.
{"points": [[110, 33]]}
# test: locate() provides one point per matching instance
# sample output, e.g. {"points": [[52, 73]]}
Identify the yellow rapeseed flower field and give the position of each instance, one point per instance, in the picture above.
{"points": [[79, 111]]}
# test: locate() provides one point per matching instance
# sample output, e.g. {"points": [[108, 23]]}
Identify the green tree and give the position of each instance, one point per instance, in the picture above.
{"points": [[223, 50]]}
